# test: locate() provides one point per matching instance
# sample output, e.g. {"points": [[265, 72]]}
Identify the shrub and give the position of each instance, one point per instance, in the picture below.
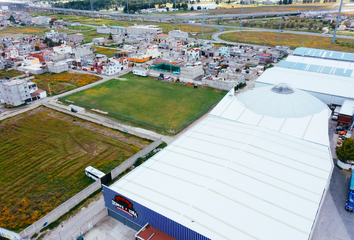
{"points": [[346, 151]]}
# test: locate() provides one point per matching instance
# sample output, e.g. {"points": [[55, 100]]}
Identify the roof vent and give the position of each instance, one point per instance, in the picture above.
{"points": [[282, 88]]}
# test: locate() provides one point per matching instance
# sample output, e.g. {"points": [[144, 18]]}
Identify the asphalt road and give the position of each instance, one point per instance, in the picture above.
{"points": [[334, 222]]}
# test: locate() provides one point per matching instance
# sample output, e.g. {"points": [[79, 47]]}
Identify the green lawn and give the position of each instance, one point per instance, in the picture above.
{"points": [[146, 99], [43, 158]]}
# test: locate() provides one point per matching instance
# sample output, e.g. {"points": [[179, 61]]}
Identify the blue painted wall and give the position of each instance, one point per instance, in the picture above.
{"points": [[146, 215]]}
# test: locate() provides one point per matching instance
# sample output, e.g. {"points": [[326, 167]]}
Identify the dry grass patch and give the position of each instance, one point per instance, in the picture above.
{"points": [[292, 40]]}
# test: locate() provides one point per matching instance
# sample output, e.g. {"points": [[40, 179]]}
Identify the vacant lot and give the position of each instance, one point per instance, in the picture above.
{"points": [[292, 40], [63, 82], [146, 99], [43, 157], [10, 74], [109, 52]]}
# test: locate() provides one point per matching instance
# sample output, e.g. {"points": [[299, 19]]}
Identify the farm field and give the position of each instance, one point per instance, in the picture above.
{"points": [[30, 31], [63, 82], [236, 8], [43, 157], [292, 40], [149, 100], [109, 52]]}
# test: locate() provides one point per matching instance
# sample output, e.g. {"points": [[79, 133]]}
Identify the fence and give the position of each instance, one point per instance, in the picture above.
{"points": [[72, 202], [192, 119], [130, 162], [117, 115], [162, 128], [89, 224], [60, 210]]}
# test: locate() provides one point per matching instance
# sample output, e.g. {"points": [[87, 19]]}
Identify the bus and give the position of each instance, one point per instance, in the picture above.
{"points": [[349, 205], [94, 173]]}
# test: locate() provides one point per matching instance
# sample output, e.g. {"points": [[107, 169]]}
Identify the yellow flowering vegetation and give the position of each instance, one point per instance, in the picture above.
{"points": [[43, 155], [63, 82]]}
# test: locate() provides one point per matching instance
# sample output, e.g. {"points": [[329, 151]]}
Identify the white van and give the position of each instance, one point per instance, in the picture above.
{"points": [[335, 113], [94, 173]]}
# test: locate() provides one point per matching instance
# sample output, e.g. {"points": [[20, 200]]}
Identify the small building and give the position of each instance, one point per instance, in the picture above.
{"points": [[191, 71], [78, 37], [17, 92], [178, 34], [139, 71], [58, 67], [346, 113]]}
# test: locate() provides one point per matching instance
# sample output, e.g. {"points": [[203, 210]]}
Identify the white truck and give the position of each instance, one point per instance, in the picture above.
{"points": [[335, 113]]}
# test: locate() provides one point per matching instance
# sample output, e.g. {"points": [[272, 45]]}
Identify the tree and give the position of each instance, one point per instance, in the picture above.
{"points": [[11, 19], [3, 54], [110, 36], [285, 2], [192, 8], [346, 151], [199, 8], [36, 48]]}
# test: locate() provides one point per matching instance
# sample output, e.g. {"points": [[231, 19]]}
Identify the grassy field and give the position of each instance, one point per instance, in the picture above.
{"points": [[63, 82], [43, 157], [146, 99], [10, 74], [31, 31], [292, 40], [109, 52]]}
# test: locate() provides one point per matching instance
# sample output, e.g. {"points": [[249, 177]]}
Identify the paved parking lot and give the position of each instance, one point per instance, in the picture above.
{"points": [[110, 229], [334, 222]]}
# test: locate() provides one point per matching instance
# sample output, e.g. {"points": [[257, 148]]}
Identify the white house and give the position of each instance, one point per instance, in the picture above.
{"points": [[115, 66], [62, 49]]}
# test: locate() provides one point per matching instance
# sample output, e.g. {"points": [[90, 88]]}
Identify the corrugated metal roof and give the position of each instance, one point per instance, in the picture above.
{"points": [[310, 81], [321, 53], [227, 179]]}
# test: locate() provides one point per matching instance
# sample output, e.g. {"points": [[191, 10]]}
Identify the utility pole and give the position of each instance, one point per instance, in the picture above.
{"points": [[335, 29], [281, 17], [93, 20], [63, 7], [50, 92], [241, 15], [175, 16], [149, 12], [128, 11], [203, 23]]}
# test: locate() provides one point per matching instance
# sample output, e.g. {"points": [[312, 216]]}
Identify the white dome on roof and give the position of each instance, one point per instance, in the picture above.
{"points": [[281, 101]]}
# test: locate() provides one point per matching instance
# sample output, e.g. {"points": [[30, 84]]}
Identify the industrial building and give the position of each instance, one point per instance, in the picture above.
{"points": [[143, 29], [327, 75], [257, 167]]}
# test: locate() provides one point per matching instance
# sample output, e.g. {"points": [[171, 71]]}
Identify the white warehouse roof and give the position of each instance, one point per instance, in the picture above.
{"points": [[227, 179], [309, 81], [279, 112]]}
